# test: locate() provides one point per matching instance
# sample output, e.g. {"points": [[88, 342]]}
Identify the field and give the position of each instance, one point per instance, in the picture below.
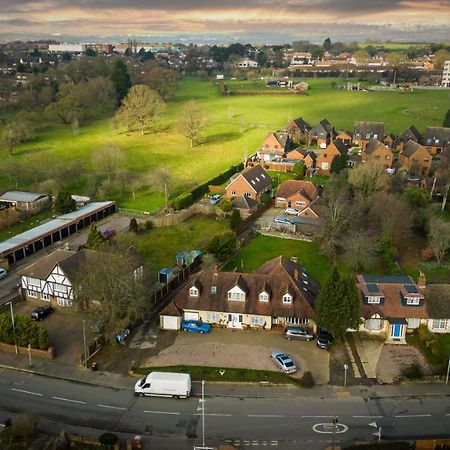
{"points": [[237, 126]]}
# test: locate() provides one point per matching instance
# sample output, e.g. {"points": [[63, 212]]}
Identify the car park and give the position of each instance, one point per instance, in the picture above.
{"points": [[298, 333], [40, 313], [3, 273], [215, 199], [195, 326], [282, 219], [324, 339], [291, 211], [284, 362]]}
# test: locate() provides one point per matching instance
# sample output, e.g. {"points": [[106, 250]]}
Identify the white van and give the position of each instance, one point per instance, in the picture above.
{"points": [[164, 384]]}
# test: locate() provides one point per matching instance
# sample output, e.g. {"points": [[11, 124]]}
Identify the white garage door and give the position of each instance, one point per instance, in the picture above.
{"points": [[190, 316], [170, 323]]}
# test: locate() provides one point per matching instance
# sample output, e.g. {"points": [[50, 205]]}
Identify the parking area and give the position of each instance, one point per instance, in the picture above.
{"points": [[242, 349]]}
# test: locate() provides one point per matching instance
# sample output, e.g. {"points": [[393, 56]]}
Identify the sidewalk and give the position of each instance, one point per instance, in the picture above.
{"points": [[112, 380]]}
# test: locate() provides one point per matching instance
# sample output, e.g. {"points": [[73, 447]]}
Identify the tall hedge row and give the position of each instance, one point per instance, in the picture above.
{"points": [[26, 332]]}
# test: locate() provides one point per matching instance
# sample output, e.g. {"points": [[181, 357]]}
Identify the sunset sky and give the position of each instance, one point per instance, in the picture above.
{"points": [[414, 19]]}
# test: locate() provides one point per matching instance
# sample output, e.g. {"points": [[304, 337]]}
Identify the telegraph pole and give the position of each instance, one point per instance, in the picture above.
{"points": [[84, 345], [13, 326]]}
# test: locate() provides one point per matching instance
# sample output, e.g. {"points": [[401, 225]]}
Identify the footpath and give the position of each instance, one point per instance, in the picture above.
{"points": [[82, 375]]}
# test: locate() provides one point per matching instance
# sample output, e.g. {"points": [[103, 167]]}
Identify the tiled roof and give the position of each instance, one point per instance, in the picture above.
{"points": [[43, 267], [440, 134], [20, 196], [291, 187], [437, 297], [302, 125], [369, 128], [244, 202], [257, 178], [410, 148], [372, 145], [341, 147], [411, 133]]}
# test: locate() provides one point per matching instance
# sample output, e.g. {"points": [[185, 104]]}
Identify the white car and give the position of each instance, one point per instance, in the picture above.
{"points": [[3, 273], [291, 211], [284, 362]]}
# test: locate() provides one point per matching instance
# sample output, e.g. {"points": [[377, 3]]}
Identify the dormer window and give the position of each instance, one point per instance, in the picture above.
{"points": [[193, 291], [412, 301], [373, 299], [264, 297], [236, 293], [287, 298]]}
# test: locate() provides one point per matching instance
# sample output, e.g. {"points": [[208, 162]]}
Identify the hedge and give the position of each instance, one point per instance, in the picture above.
{"points": [[183, 200]]}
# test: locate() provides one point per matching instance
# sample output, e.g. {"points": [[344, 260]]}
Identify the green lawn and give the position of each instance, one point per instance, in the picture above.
{"points": [[263, 248], [237, 126], [26, 224], [159, 246]]}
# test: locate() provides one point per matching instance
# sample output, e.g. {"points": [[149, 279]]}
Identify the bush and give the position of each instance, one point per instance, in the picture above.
{"points": [[222, 246], [307, 380], [149, 225], [133, 226], [412, 372], [43, 338], [226, 205], [108, 439], [235, 220]]}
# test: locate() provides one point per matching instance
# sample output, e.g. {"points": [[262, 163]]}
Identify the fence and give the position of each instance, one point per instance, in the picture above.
{"points": [[46, 354], [183, 215], [135, 212]]}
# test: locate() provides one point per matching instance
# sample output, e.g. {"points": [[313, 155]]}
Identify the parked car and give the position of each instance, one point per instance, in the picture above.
{"points": [[281, 219], [41, 312], [215, 199], [291, 211], [298, 333], [3, 273], [324, 338], [122, 335], [284, 362], [108, 233], [195, 326]]}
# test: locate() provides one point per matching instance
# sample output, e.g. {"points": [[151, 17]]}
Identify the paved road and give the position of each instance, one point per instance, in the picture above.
{"points": [[244, 422]]}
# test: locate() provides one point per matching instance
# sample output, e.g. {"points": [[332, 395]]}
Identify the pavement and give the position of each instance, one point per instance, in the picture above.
{"points": [[62, 371]]}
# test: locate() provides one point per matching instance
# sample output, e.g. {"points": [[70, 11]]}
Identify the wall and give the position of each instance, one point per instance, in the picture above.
{"points": [[183, 215], [46, 354]]}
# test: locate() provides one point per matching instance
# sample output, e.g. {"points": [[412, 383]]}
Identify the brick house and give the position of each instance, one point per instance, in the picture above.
{"points": [[416, 158], [321, 134], [298, 129], [276, 144], [377, 150], [366, 131], [346, 137], [280, 292], [410, 134], [297, 194], [308, 157], [251, 182], [437, 297], [436, 139], [324, 160], [389, 140]]}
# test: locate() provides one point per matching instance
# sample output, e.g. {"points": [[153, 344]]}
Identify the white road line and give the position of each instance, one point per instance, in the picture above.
{"points": [[367, 417], [265, 415], [69, 400], [163, 412], [447, 414], [317, 417], [213, 414], [26, 392], [412, 415], [112, 407]]}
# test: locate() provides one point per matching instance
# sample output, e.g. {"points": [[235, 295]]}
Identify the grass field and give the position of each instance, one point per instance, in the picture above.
{"points": [[237, 125]]}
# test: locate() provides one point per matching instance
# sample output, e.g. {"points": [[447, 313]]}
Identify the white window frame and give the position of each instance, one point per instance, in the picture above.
{"points": [[257, 320], [45, 296], [193, 291], [413, 323], [412, 301], [264, 297], [236, 296], [213, 289], [296, 320], [378, 322], [287, 299], [34, 281], [213, 317], [373, 299], [441, 324], [58, 287], [64, 302], [32, 294]]}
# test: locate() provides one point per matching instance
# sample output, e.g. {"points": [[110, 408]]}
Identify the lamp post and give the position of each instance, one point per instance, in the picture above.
{"points": [[335, 421], [13, 326], [345, 374], [202, 409], [448, 371], [84, 345]]}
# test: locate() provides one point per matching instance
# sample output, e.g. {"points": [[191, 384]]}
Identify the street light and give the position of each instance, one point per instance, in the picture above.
{"points": [[345, 374], [202, 409]]}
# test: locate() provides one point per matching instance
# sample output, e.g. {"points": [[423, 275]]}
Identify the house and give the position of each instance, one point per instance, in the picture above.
{"points": [[276, 144], [52, 277], [29, 202], [446, 74], [416, 158], [435, 139], [251, 182], [280, 292], [296, 194], [346, 137], [308, 157], [324, 160], [437, 297], [246, 63], [321, 134], [366, 131], [389, 140], [245, 205], [390, 305], [410, 134], [298, 130], [377, 150]]}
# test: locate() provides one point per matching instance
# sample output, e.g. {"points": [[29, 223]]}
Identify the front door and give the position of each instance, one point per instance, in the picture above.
{"points": [[397, 331], [235, 320]]}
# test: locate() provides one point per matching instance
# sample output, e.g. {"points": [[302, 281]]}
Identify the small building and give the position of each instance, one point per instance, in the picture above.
{"points": [[325, 159], [298, 129], [410, 134], [378, 151], [245, 205], [297, 194], [28, 202], [416, 158], [247, 63], [321, 134], [252, 182], [165, 275], [345, 136], [276, 144], [366, 131]]}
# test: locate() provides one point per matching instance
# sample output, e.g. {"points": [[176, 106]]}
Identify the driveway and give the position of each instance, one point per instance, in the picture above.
{"points": [[242, 349]]}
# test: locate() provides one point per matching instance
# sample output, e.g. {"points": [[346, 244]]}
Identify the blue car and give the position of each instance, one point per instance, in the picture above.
{"points": [[195, 326], [215, 199]]}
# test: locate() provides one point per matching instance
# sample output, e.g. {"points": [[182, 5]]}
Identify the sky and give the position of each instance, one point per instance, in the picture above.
{"points": [[408, 20]]}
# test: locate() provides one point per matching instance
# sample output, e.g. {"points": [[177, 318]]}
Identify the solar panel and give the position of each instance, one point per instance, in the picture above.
{"points": [[411, 289], [371, 287]]}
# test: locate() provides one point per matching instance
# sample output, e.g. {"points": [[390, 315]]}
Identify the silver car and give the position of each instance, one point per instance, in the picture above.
{"points": [[3, 273], [284, 362], [298, 333]]}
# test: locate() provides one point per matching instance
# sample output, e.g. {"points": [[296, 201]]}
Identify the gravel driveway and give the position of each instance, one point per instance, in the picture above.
{"points": [[242, 349]]}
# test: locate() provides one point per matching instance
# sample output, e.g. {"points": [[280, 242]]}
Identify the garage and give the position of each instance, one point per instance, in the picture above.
{"points": [[190, 315], [170, 322]]}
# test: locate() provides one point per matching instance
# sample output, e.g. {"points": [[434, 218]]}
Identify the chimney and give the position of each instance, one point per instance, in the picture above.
{"points": [[296, 274], [422, 281]]}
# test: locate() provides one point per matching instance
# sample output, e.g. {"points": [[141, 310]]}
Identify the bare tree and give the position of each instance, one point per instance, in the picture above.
{"points": [[439, 238], [108, 159], [368, 178], [192, 121], [163, 180], [360, 250], [8, 217], [14, 134]]}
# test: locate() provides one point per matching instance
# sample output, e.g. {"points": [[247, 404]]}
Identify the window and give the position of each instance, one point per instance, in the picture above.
{"points": [[296, 320], [60, 288], [213, 289], [426, 159], [413, 323], [300, 203], [387, 157], [325, 155], [373, 299], [264, 297], [257, 179], [213, 317], [375, 136], [63, 301], [263, 175], [193, 292], [412, 301], [34, 282], [439, 324], [257, 320], [253, 182], [233, 192], [32, 294], [44, 296], [374, 324], [236, 296], [287, 298]]}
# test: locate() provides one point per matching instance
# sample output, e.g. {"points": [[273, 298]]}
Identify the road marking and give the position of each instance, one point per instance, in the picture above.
{"points": [[412, 415], [447, 414], [213, 414], [26, 392], [69, 400], [329, 428], [367, 417], [318, 417], [112, 407], [163, 412], [265, 415]]}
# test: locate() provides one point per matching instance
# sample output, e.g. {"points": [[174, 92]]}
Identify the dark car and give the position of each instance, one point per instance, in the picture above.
{"points": [[41, 312], [324, 339], [298, 333]]}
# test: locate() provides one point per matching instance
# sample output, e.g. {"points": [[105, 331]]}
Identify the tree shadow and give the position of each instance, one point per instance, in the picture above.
{"points": [[222, 137]]}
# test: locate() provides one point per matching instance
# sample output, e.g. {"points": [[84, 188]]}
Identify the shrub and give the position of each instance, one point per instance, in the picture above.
{"points": [[413, 372], [307, 380], [235, 220], [183, 200], [43, 338], [222, 246], [225, 205], [149, 225], [133, 226], [108, 439]]}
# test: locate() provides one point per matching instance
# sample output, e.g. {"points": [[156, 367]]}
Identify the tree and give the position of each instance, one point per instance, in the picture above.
{"points": [[299, 169], [361, 56], [9, 217], [360, 250], [95, 239], [337, 306], [222, 246], [64, 203], [339, 163], [90, 52], [121, 79], [235, 220], [446, 122], [161, 80], [192, 121], [440, 57], [327, 44], [162, 180], [14, 134], [368, 178], [140, 107], [439, 238], [108, 159]]}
